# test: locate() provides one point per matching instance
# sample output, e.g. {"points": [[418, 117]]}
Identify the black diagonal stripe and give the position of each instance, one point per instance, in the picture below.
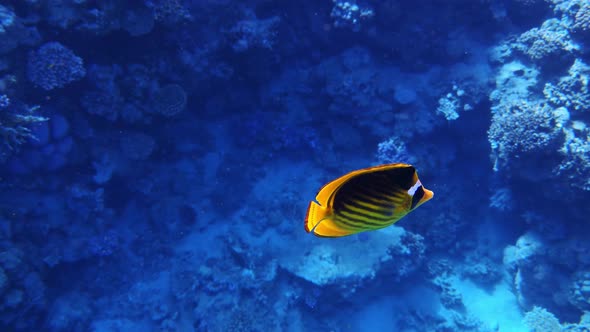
{"points": [[347, 224], [385, 202], [362, 221], [360, 203], [417, 196], [364, 216], [384, 189], [363, 212], [352, 224], [377, 195], [381, 203], [365, 209]]}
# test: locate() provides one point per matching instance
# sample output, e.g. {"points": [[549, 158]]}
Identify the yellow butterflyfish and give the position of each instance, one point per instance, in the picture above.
{"points": [[366, 199]]}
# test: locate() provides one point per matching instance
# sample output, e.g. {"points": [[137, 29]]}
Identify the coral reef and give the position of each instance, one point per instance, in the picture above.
{"points": [[350, 14], [53, 66], [522, 130], [540, 320], [571, 91], [162, 182], [16, 125], [551, 40]]}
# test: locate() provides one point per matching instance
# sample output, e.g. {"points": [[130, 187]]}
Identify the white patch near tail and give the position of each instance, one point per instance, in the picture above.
{"points": [[415, 187]]}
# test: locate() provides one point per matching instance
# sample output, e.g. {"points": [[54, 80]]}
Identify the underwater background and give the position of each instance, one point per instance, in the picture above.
{"points": [[157, 158]]}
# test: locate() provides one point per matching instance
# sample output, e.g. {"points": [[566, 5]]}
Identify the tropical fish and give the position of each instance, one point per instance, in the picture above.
{"points": [[366, 199]]}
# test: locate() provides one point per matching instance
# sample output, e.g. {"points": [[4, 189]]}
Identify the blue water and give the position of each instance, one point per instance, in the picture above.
{"points": [[157, 158]]}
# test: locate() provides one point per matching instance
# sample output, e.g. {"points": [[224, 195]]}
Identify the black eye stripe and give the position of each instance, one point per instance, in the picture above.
{"points": [[417, 196]]}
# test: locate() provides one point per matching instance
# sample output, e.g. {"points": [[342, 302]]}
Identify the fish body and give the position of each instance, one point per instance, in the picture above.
{"points": [[365, 199]]}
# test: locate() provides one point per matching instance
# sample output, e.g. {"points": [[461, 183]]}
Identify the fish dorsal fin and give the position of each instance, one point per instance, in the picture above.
{"points": [[327, 192]]}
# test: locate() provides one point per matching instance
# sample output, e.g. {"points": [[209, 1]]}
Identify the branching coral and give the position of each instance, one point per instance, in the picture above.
{"points": [[394, 150], [15, 125], [452, 103]]}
